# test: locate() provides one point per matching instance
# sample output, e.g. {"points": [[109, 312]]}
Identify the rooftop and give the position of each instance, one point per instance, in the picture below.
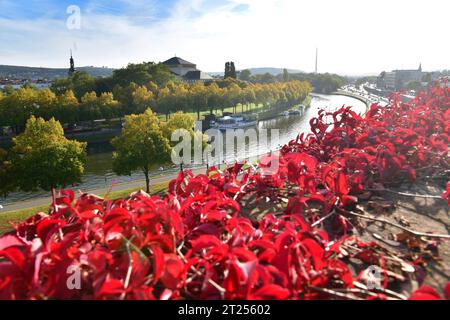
{"points": [[177, 61]]}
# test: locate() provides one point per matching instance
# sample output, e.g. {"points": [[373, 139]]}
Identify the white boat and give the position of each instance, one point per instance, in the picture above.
{"points": [[229, 123]]}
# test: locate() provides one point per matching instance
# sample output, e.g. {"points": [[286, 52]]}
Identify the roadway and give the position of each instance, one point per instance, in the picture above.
{"points": [[43, 201]]}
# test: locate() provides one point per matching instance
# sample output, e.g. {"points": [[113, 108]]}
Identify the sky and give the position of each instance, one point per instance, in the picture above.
{"points": [[354, 37]]}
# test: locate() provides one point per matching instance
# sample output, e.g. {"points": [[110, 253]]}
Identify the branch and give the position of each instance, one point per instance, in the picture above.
{"points": [[315, 224], [128, 277], [416, 233], [340, 295], [426, 196], [211, 282]]}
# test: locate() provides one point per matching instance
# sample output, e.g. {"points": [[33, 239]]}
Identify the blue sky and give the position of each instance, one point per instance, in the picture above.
{"points": [[353, 36]]}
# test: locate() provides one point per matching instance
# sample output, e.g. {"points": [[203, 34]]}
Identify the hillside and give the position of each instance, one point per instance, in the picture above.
{"points": [[34, 73], [258, 71]]}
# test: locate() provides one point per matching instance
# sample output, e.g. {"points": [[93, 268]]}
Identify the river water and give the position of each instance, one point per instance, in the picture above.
{"points": [[99, 174]]}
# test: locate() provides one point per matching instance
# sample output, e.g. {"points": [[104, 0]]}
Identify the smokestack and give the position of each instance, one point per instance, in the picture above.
{"points": [[317, 59]]}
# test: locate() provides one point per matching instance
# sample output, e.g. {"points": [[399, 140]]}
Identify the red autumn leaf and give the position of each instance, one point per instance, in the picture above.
{"points": [[111, 287], [14, 255], [114, 240], [425, 293], [87, 215], [446, 194], [46, 226], [204, 242], [270, 292], [447, 291], [10, 241], [173, 274], [158, 262], [69, 194]]}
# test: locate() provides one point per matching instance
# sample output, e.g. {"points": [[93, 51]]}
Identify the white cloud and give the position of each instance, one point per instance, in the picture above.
{"points": [[352, 36]]}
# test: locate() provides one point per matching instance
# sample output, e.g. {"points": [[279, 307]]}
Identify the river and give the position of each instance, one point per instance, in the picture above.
{"points": [[98, 170]]}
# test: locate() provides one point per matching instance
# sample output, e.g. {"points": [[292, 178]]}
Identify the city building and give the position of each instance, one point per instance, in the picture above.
{"points": [[186, 71], [398, 79]]}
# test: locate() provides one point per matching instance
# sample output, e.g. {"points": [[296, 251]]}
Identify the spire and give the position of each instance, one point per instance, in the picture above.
{"points": [[72, 65], [420, 67]]}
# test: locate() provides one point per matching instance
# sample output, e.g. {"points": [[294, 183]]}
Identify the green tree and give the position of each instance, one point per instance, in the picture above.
{"points": [[246, 75], [142, 74], [414, 85], [179, 120], [18, 107], [6, 173], [286, 76], [61, 86], [44, 159], [232, 70], [227, 73], [82, 83], [67, 108], [8, 89], [141, 146], [89, 107], [142, 99]]}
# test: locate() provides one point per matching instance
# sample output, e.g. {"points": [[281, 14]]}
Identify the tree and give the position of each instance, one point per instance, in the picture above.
{"points": [[44, 159], [142, 74], [246, 75], [82, 83], [142, 99], [61, 86], [141, 146], [232, 70], [286, 76], [6, 173], [89, 107], [227, 70], [199, 98], [8, 89], [67, 108], [18, 107], [178, 121], [414, 85]]}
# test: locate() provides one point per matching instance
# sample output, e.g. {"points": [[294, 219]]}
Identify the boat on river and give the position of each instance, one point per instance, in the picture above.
{"points": [[232, 122]]}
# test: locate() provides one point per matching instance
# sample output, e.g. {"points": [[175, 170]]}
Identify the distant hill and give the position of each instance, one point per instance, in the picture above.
{"points": [[33, 73], [272, 71], [258, 71]]}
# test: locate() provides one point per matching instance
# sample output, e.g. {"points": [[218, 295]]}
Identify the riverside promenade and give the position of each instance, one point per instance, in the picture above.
{"points": [[136, 184]]}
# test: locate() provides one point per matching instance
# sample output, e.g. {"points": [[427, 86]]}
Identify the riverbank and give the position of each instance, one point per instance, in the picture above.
{"points": [[273, 114]]}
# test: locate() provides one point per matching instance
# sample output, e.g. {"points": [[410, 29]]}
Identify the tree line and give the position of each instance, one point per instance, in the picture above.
{"points": [[322, 83], [43, 158], [133, 89]]}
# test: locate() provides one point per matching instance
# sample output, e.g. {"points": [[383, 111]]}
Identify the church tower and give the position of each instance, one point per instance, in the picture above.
{"points": [[72, 65]]}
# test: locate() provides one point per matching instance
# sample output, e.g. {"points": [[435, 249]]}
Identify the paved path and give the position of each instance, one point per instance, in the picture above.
{"points": [[38, 202]]}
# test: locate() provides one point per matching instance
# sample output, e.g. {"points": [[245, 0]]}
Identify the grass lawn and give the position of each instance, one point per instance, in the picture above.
{"points": [[18, 216]]}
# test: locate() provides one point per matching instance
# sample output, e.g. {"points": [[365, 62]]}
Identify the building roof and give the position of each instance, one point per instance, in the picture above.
{"points": [[177, 61]]}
